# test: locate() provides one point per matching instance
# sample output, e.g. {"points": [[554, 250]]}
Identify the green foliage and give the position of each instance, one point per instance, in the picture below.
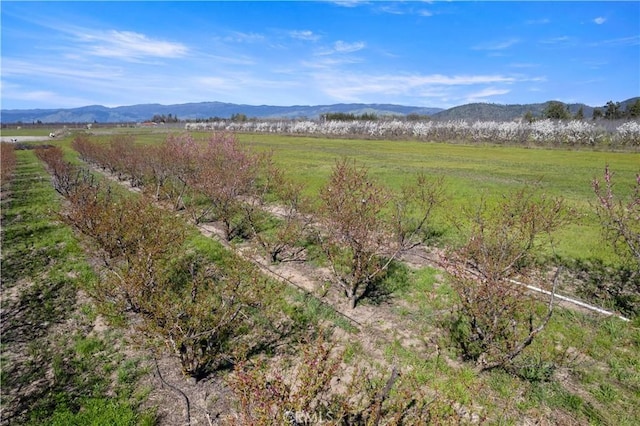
{"points": [[556, 111], [343, 116], [633, 110], [612, 111], [98, 411]]}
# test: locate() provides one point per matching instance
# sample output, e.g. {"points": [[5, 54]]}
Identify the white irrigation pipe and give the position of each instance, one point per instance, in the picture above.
{"points": [[570, 300]]}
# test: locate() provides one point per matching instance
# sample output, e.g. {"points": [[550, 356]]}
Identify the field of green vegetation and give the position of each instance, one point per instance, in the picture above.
{"points": [[582, 369], [470, 172]]}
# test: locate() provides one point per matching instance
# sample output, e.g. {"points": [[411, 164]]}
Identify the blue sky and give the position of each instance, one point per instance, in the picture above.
{"points": [[432, 54]]}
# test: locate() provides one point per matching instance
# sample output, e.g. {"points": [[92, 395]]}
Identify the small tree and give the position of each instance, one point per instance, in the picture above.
{"points": [[367, 228], [225, 174], [620, 218], [497, 318], [529, 117], [352, 214], [612, 111], [282, 230], [556, 111], [183, 169], [597, 113], [633, 110], [207, 314]]}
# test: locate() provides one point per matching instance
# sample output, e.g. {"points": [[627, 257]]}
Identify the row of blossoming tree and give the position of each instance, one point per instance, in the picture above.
{"points": [[540, 132]]}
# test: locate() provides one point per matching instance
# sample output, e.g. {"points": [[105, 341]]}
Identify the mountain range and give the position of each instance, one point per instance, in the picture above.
{"points": [[205, 110]]}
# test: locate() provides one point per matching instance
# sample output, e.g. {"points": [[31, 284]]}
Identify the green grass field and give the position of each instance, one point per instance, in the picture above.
{"points": [[470, 172]]}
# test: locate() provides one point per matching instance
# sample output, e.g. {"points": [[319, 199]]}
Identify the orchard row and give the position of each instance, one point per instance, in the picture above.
{"points": [[216, 313], [545, 132]]}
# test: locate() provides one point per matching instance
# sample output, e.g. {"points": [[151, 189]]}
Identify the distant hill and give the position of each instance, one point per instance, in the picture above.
{"points": [[201, 110], [498, 112], [204, 110]]}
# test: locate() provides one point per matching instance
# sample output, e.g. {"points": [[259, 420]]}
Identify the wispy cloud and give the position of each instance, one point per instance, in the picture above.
{"points": [[242, 37], [350, 3], [541, 21], [623, 41], [342, 47], [599, 20], [304, 35], [91, 72], [485, 93], [557, 40], [497, 45], [524, 65], [48, 97], [129, 45], [356, 87]]}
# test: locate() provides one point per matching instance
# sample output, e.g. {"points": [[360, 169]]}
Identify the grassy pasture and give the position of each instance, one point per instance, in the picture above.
{"points": [[470, 171]]}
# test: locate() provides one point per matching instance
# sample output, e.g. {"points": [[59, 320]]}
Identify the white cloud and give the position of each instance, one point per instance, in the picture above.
{"points": [[342, 47], [524, 65], [356, 87], [240, 37], [486, 93], [93, 72], [557, 40], [304, 35], [349, 3], [500, 45], [130, 45], [542, 21], [624, 41], [599, 20]]}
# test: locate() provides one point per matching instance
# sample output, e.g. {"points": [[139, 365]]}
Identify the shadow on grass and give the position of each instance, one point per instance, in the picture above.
{"points": [[382, 289]]}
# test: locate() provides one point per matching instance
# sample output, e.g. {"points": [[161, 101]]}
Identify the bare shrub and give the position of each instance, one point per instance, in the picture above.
{"points": [[281, 235], [62, 172], [207, 313], [620, 218], [352, 213], [225, 174], [320, 389], [366, 227], [8, 163], [497, 317], [620, 221]]}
